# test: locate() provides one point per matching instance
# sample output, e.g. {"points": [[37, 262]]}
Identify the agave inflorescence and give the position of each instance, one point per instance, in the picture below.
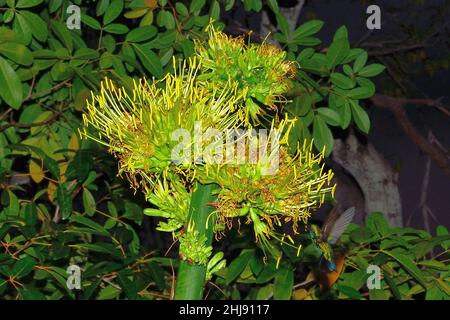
{"points": [[261, 72], [228, 85], [137, 127], [267, 192]]}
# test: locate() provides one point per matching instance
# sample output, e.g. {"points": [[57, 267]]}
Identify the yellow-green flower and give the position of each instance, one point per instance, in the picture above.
{"points": [[171, 199], [288, 195], [260, 72], [137, 127]]}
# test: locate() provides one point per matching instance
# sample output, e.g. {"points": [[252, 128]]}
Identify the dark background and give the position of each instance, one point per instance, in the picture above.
{"points": [[398, 18]]}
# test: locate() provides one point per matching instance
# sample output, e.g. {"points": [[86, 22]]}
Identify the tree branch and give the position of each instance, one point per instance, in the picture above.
{"points": [[396, 106], [15, 124]]}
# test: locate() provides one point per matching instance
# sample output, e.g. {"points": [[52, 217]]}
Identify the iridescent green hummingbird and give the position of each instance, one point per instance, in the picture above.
{"points": [[326, 237]]}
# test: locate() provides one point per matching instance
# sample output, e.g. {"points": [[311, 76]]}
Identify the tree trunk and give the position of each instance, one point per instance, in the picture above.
{"points": [[374, 175]]}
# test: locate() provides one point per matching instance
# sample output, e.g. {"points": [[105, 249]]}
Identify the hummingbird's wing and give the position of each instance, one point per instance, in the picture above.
{"points": [[341, 224], [329, 223]]}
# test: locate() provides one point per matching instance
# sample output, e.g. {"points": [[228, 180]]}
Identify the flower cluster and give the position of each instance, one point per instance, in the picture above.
{"points": [[260, 72], [137, 127], [264, 200], [227, 86]]}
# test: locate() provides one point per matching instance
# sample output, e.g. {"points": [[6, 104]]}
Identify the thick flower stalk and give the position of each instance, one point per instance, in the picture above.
{"points": [[260, 72]]}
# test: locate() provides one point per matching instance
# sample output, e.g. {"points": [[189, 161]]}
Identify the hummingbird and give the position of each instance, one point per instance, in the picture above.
{"points": [[325, 239]]}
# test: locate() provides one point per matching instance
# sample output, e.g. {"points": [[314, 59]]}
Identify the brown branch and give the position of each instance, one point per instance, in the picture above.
{"points": [[423, 196], [396, 106], [404, 48], [15, 124]]}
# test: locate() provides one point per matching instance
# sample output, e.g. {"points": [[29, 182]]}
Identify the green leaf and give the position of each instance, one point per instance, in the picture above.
{"points": [[371, 70], [11, 87], [181, 9], [28, 3], [367, 84], [150, 60], [86, 54], [157, 274], [91, 224], [106, 60], [301, 105], [102, 6], [341, 33], [392, 285], [422, 247], [37, 25], [54, 5], [128, 285], [329, 115], [307, 41], [61, 71], [347, 70], [23, 267], [22, 29], [237, 266], [88, 202], [345, 114], [113, 11], [360, 62], [267, 274], [284, 280], [377, 223], [342, 81], [337, 52], [16, 52], [273, 4], [102, 247], [214, 11], [361, 93], [408, 264], [361, 235], [379, 294], [349, 292], [116, 28], [30, 214], [322, 135], [265, 292], [137, 13], [90, 22], [442, 231], [282, 24], [64, 201], [133, 212], [63, 34], [307, 29], [141, 34], [30, 293], [360, 116], [434, 264], [79, 166], [108, 293], [196, 5], [443, 286], [7, 35]]}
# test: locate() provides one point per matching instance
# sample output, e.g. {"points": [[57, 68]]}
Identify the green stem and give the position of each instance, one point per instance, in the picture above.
{"points": [[191, 278]]}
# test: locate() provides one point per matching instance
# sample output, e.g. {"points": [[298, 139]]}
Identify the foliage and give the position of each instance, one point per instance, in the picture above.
{"points": [[61, 202], [414, 265]]}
